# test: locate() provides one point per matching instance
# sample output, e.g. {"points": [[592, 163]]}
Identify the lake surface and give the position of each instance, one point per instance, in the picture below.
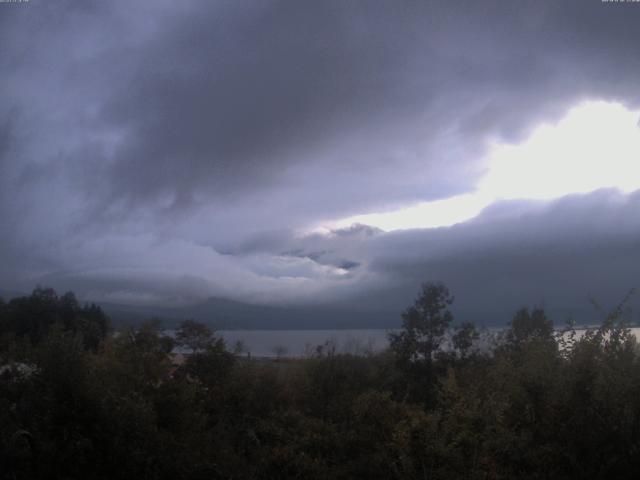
{"points": [[297, 343]]}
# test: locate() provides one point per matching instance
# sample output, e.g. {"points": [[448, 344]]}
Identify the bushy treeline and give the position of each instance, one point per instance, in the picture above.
{"points": [[78, 402]]}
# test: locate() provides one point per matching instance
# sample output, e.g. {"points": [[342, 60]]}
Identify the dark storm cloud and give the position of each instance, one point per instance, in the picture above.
{"points": [[230, 97], [555, 254], [238, 97], [180, 145]]}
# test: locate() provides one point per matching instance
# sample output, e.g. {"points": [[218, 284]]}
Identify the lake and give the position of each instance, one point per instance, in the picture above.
{"points": [[297, 343]]}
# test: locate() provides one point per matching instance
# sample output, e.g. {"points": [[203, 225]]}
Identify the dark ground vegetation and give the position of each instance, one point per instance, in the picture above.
{"points": [[78, 402]]}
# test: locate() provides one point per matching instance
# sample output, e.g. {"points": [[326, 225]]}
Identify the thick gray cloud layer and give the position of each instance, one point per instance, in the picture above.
{"points": [[166, 151]]}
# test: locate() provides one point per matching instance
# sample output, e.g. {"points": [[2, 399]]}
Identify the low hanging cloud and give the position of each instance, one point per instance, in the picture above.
{"points": [[554, 253]]}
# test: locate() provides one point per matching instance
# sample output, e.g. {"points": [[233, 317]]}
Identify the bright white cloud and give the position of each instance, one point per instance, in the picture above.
{"points": [[596, 145], [425, 215]]}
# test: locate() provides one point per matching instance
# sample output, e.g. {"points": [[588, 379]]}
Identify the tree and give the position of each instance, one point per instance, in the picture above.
{"points": [[529, 326], [464, 337], [145, 351], [34, 316], [209, 361], [194, 335], [424, 327], [424, 324]]}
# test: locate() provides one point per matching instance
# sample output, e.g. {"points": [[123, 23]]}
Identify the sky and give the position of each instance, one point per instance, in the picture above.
{"points": [[304, 153]]}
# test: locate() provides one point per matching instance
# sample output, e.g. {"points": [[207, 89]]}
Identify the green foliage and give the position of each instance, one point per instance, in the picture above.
{"points": [[424, 324], [529, 326], [537, 404], [34, 316], [194, 335], [463, 339]]}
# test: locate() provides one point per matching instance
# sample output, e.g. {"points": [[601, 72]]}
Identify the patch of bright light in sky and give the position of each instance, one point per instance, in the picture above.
{"points": [[596, 145]]}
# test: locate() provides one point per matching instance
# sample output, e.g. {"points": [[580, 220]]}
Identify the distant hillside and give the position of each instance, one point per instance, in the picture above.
{"points": [[225, 314], [7, 295]]}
